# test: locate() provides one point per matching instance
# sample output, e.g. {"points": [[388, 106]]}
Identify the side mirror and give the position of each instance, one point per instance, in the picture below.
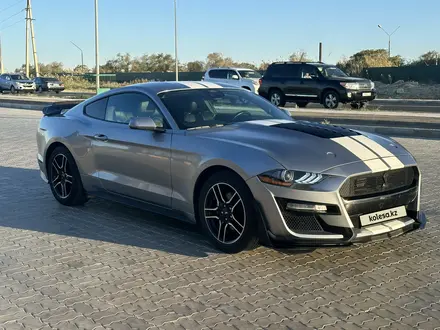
{"points": [[235, 77], [145, 124]]}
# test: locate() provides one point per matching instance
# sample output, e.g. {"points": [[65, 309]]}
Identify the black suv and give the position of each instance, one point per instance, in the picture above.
{"points": [[305, 83]]}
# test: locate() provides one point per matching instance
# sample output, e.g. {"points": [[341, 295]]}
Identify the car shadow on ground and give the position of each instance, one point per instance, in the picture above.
{"points": [[26, 203]]}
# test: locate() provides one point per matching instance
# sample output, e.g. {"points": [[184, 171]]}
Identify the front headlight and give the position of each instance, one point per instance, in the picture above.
{"points": [[372, 85], [287, 178], [353, 86]]}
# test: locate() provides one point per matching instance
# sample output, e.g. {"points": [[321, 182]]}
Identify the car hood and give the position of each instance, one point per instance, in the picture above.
{"points": [[24, 81], [301, 145], [348, 79]]}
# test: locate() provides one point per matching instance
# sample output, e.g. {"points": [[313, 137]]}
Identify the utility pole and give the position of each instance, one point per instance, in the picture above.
{"points": [[389, 38], [34, 48], [320, 52], [96, 47], [27, 38], [82, 54], [175, 40]]}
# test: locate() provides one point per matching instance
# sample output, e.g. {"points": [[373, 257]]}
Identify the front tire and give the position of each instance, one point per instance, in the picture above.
{"points": [[331, 100], [13, 90], [64, 178], [226, 213]]}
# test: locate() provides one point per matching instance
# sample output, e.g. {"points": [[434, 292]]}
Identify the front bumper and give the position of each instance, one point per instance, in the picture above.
{"points": [[358, 96], [339, 227], [25, 88]]}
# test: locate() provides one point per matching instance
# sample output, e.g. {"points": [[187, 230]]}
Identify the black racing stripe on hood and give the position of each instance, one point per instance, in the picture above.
{"points": [[317, 129]]}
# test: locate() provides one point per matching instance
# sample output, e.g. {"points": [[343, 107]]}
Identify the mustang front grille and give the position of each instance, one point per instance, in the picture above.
{"points": [[299, 221], [374, 184]]}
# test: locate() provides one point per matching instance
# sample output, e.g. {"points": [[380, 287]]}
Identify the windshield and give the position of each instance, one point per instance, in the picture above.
{"points": [[211, 107], [49, 79], [332, 71], [249, 74], [18, 77]]}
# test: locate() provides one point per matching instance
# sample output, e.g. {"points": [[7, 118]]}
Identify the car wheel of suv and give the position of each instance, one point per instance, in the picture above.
{"points": [[40, 89], [277, 98], [331, 100], [301, 104], [226, 213], [64, 178], [13, 90]]}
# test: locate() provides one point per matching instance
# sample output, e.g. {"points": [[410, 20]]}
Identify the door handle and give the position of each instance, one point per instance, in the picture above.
{"points": [[101, 137]]}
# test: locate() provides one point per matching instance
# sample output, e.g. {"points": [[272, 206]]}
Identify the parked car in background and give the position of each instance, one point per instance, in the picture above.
{"points": [[46, 84], [305, 83], [240, 77], [16, 82]]}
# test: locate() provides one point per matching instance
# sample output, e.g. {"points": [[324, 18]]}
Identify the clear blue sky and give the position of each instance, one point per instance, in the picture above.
{"points": [[246, 30]]}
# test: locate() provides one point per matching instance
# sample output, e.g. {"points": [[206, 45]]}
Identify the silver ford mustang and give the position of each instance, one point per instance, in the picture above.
{"points": [[229, 161]]}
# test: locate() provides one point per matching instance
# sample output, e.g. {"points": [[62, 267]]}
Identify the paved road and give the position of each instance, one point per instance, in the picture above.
{"points": [[105, 266]]}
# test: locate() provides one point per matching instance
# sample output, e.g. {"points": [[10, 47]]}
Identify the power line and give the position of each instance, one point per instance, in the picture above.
{"points": [[12, 16], [14, 4], [11, 25]]}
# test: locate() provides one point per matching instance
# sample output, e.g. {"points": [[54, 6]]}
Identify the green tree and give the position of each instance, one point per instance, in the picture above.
{"points": [[300, 56], [218, 60], [195, 66], [367, 59], [430, 58]]}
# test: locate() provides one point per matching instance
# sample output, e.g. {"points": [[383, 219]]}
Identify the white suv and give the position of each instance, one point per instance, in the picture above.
{"points": [[240, 77]]}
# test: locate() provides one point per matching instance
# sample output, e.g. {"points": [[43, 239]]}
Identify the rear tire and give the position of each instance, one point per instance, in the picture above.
{"points": [[226, 213], [64, 178], [277, 98], [331, 100]]}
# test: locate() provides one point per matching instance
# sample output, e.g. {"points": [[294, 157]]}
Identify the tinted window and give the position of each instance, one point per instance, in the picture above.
{"points": [[219, 74], [49, 79], [232, 73], [249, 74], [97, 109], [284, 71], [308, 71], [19, 77], [123, 107], [192, 108]]}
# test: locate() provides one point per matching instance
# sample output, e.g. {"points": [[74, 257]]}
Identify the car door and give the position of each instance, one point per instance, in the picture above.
{"points": [[129, 162], [288, 76], [309, 87]]}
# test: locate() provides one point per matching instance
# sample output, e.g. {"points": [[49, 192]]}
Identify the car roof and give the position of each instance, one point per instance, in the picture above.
{"points": [[230, 68], [164, 86], [310, 63]]}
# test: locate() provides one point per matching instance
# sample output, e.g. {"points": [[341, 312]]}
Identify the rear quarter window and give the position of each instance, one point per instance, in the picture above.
{"points": [[96, 109]]}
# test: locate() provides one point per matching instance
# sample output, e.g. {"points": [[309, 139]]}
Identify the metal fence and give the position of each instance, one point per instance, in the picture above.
{"points": [[421, 74]]}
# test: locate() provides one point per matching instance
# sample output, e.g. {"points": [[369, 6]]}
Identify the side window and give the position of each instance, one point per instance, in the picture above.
{"points": [[96, 109], [308, 72], [284, 71], [123, 107], [232, 73], [218, 74], [8, 77]]}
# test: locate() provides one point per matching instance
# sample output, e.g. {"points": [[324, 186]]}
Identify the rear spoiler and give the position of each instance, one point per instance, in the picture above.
{"points": [[57, 107]]}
